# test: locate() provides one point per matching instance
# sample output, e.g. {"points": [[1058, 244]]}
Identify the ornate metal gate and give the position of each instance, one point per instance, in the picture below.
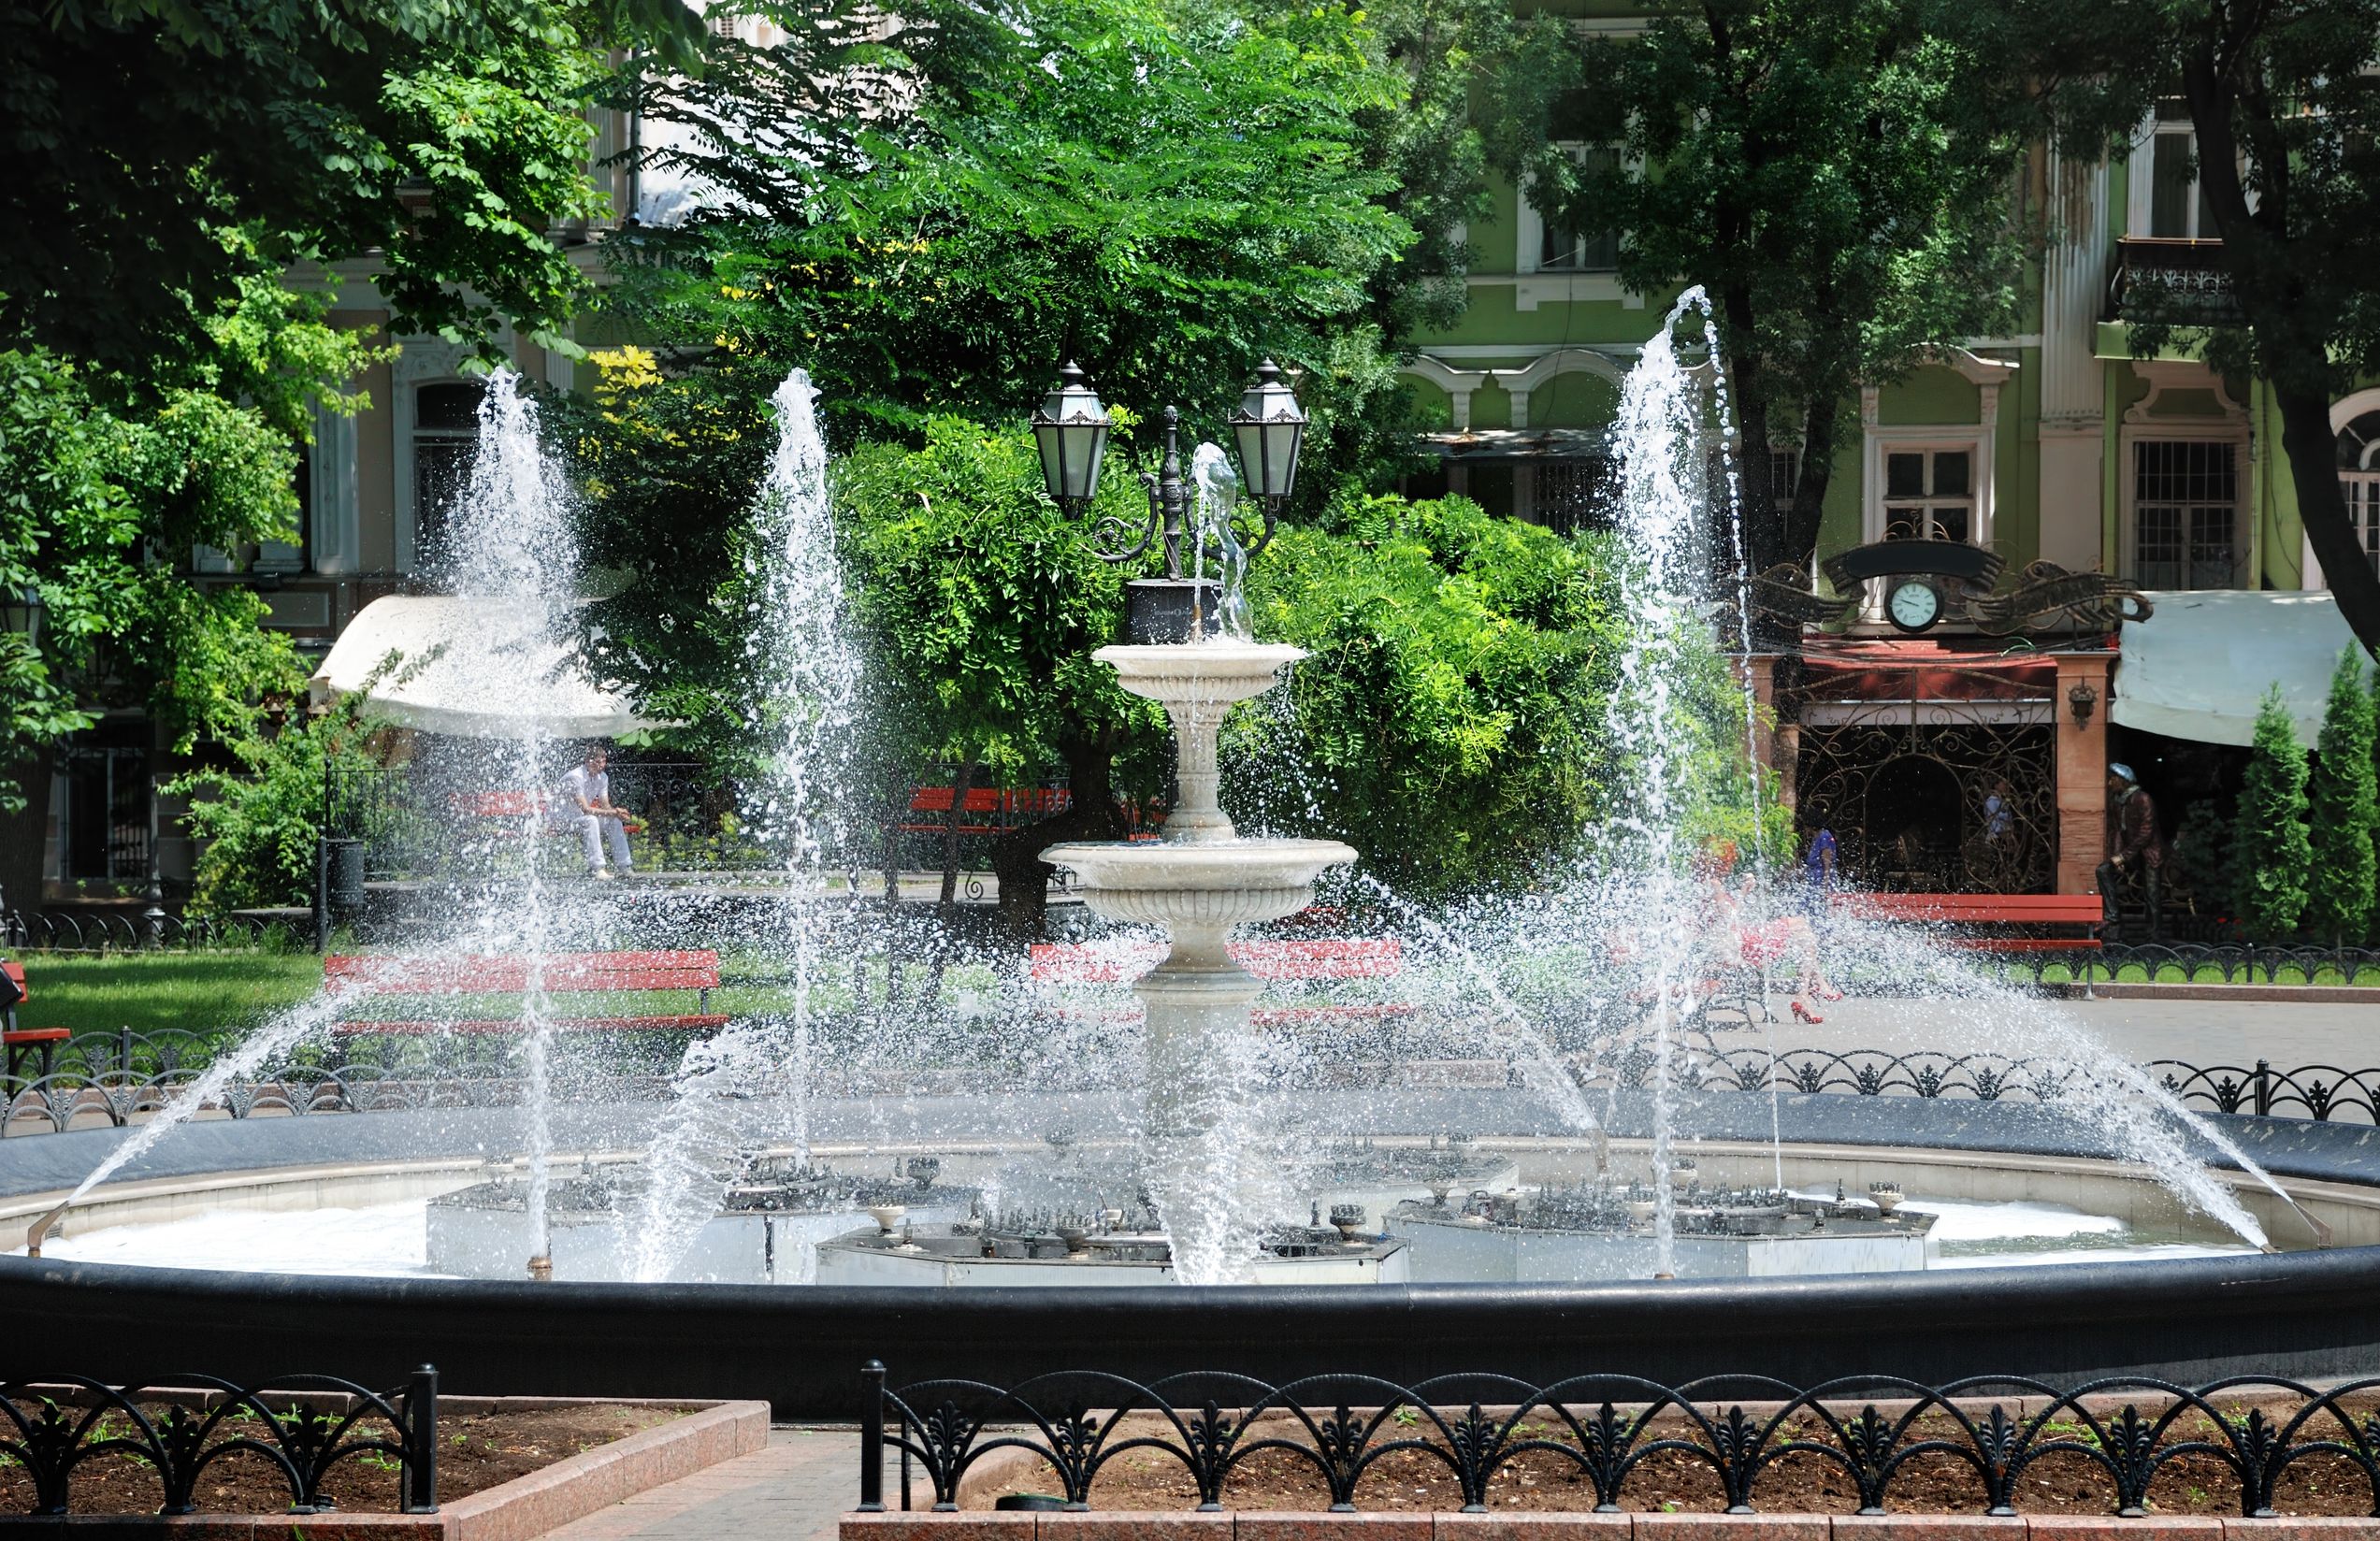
{"points": [[1934, 796]]}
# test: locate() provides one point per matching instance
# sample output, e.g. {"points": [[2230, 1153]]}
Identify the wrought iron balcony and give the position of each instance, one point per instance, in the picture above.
{"points": [[2160, 277]]}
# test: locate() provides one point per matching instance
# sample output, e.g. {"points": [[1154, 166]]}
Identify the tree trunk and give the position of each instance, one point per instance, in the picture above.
{"points": [[1820, 430], [1090, 814], [1748, 391], [961, 785], [2322, 504]]}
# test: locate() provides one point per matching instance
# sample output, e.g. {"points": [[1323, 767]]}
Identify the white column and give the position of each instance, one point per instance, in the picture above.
{"points": [[2074, 281]]}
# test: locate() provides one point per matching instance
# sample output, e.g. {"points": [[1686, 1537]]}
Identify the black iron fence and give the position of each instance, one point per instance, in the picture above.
{"points": [[2188, 962], [299, 1426], [2136, 1440], [121, 930]]}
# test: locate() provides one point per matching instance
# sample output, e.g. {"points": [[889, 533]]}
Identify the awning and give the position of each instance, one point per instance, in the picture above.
{"points": [[475, 668], [2198, 667]]}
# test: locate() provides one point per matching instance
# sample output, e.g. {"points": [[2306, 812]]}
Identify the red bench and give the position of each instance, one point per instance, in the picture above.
{"points": [[517, 807], [1273, 961], [988, 810], [1981, 922], [571, 974], [22, 1042]]}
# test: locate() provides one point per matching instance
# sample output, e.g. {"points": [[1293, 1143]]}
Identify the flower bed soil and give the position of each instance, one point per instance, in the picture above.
{"points": [[475, 1451], [1674, 1481]]}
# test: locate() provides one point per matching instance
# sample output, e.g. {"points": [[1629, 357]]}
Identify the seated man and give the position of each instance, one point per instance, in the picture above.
{"points": [[588, 793]]}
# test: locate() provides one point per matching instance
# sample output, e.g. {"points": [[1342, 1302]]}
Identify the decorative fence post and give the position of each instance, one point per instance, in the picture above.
{"points": [[871, 1437], [421, 1442], [2264, 1088]]}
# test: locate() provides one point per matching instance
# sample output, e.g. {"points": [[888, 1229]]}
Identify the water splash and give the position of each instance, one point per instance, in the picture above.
{"points": [[515, 547], [1217, 488], [804, 675]]}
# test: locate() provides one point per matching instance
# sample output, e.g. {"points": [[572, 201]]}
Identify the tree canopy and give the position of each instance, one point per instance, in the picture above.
{"points": [[1840, 177]]}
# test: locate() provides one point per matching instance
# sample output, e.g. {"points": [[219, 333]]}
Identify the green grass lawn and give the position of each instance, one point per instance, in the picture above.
{"points": [[201, 992]]}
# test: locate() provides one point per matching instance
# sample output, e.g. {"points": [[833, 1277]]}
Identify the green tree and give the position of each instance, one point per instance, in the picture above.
{"points": [[984, 605], [1448, 721], [2272, 857], [262, 814], [1166, 189], [2285, 105], [99, 476], [165, 152], [1839, 176], [2343, 811]]}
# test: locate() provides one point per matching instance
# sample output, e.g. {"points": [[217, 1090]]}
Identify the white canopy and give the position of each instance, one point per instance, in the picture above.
{"points": [[2199, 664], [475, 668]]}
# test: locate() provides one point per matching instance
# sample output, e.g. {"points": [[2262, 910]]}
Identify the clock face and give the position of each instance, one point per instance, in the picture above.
{"points": [[1914, 605]]}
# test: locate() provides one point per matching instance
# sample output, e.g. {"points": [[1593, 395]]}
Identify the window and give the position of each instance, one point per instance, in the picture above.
{"points": [[2177, 204], [1929, 495], [1569, 248], [104, 821], [2185, 513], [1575, 494], [2360, 480], [446, 427]]}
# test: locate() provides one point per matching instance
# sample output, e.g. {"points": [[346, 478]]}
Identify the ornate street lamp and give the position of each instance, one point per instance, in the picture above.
{"points": [[1071, 429], [21, 613]]}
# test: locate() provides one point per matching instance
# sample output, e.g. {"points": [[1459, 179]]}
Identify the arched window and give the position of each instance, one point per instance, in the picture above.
{"points": [[446, 431], [2360, 480]]}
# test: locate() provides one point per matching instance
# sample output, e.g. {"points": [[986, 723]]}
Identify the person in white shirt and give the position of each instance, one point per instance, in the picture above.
{"points": [[588, 793]]}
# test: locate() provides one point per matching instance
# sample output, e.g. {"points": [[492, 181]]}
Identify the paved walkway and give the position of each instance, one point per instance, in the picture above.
{"points": [[2201, 1032], [795, 1490]]}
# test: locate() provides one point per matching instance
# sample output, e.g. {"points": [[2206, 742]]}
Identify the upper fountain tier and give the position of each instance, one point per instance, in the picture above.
{"points": [[1199, 878]]}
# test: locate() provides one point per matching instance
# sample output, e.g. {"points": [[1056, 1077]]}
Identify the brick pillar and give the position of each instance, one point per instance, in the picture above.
{"points": [[1779, 749], [2082, 774]]}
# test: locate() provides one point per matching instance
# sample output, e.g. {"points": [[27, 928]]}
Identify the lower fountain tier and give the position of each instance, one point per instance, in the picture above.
{"points": [[954, 1257], [1194, 889], [484, 1232], [1453, 1247]]}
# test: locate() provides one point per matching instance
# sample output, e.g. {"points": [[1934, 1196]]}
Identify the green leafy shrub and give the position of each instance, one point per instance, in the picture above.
{"points": [[262, 819]]}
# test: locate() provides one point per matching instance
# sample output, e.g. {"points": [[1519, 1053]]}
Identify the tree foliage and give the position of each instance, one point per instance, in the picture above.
{"points": [[1166, 189], [2271, 857], [262, 813], [1447, 720], [2343, 812], [1840, 178], [162, 152], [101, 476]]}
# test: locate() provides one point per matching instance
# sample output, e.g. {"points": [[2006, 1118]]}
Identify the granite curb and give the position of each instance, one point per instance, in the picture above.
{"points": [[1254, 1525], [527, 1506]]}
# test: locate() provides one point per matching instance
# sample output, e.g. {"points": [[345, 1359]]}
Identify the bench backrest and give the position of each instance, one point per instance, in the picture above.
{"points": [[379, 974], [1338, 958], [499, 804], [16, 972], [1977, 909]]}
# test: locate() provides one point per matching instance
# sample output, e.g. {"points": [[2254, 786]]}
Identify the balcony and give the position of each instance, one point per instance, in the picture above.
{"points": [[2160, 277]]}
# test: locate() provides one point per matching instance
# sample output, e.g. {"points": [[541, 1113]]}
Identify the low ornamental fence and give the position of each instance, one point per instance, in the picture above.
{"points": [[123, 1074], [2231, 963], [117, 930], [1626, 1435], [300, 1426]]}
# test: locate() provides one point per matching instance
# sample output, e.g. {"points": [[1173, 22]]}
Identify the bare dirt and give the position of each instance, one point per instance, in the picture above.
{"points": [[475, 1451], [1681, 1482]]}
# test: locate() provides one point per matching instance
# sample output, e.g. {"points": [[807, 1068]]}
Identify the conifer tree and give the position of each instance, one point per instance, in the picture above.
{"points": [[2344, 806], [2272, 858]]}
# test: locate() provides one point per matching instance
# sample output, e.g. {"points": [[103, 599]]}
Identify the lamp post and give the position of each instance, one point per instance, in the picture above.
{"points": [[1072, 430]]}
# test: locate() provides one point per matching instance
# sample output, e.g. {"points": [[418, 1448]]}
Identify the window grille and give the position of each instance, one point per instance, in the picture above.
{"points": [[2186, 515], [1575, 495]]}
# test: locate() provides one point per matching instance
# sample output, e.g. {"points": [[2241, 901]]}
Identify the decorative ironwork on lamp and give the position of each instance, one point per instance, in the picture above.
{"points": [[2082, 701], [1072, 429]]}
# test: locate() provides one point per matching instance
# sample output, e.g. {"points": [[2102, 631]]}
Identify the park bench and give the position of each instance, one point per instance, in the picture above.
{"points": [[374, 977], [20, 1042], [1999, 923], [988, 810], [1273, 961], [508, 812]]}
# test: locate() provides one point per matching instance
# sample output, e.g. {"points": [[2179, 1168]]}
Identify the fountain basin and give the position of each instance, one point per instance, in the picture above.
{"points": [[1219, 672], [1204, 886]]}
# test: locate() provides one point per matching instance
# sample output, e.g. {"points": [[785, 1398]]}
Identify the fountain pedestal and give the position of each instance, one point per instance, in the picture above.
{"points": [[1197, 880]]}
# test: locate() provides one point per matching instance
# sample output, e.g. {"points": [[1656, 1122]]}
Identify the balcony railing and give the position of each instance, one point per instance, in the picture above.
{"points": [[2160, 278]]}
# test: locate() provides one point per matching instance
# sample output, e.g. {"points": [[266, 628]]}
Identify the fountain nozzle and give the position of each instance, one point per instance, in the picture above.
{"points": [[42, 1227], [541, 1269]]}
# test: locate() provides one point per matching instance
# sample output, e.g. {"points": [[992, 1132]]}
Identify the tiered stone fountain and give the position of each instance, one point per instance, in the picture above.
{"points": [[1197, 880]]}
